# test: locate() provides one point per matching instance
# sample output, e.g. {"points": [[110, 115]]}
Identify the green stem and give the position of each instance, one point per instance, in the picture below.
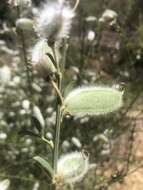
{"points": [[57, 129], [60, 68], [57, 91]]}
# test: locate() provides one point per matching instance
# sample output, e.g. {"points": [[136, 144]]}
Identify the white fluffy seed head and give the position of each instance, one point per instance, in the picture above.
{"points": [[38, 51], [73, 167], [54, 21]]}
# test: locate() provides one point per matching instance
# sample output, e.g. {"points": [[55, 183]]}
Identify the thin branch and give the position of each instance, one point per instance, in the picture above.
{"points": [[76, 5], [57, 91]]}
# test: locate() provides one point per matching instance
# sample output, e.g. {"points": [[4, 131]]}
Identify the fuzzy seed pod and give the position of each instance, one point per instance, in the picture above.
{"points": [[54, 22], [72, 167], [40, 60]]}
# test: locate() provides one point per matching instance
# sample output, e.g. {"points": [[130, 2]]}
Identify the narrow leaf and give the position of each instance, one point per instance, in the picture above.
{"points": [[36, 123], [27, 132], [51, 58], [44, 163], [38, 115], [93, 101]]}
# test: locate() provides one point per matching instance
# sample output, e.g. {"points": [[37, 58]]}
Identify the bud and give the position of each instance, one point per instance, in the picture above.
{"points": [[40, 60], [108, 16], [3, 136], [91, 19], [25, 24], [65, 145], [76, 142], [91, 35], [26, 104]]}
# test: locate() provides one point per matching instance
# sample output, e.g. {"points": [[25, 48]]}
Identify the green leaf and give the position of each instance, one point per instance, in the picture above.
{"points": [[69, 87], [44, 163], [36, 124], [93, 101]]}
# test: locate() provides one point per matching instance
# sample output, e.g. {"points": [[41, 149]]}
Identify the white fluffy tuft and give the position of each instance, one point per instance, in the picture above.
{"points": [[38, 52], [54, 21]]}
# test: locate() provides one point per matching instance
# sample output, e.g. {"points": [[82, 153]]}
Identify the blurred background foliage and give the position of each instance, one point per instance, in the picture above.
{"points": [[100, 53]]}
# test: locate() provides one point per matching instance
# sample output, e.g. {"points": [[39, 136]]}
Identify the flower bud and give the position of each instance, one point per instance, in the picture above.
{"points": [[38, 115], [41, 61], [25, 24], [108, 16], [91, 35], [5, 75]]}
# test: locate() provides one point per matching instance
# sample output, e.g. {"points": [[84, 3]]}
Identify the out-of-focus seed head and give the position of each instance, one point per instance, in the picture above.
{"points": [[108, 16], [4, 184], [5, 75], [91, 35], [54, 21], [21, 3], [72, 167]]}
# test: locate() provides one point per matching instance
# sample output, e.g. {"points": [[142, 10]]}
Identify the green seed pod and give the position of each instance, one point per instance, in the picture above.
{"points": [[93, 101], [25, 24]]}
